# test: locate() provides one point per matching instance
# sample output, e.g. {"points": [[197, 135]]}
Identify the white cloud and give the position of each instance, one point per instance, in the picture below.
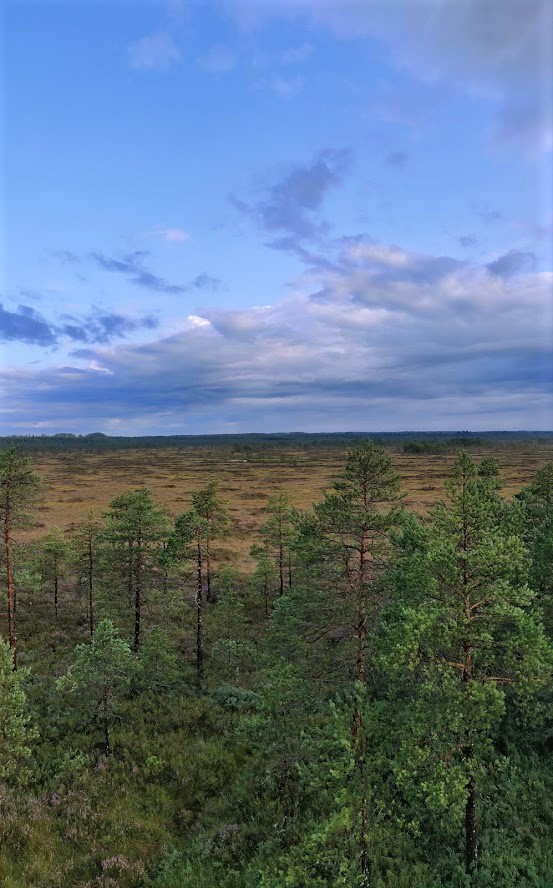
{"points": [[281, 86], [296, 54], [197, 321], [173, 234], [94, 365], [219, 59], [155, 51]]}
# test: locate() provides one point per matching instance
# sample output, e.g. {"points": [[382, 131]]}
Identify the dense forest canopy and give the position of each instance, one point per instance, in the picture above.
{"points": [[369, 706]]}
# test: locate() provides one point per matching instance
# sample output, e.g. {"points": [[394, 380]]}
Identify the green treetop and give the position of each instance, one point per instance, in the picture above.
{"points": [[135, 531], [53, 562], [461, 637], [16, 729], [87, 546], [355, 523], [216, 524], [277, 533], [99, 677], [19, 488]]}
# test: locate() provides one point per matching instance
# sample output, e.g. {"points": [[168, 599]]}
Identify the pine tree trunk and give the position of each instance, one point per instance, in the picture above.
{"points": [[281, 568], [105, 720], [90, 590], [130, 574], [10, 584], [471, 839], [56, 582], [361, 613], [361, 644], [359, 738], [208, 570], [364, 857], [471, 845], [200, 623], [287, 805], [137, 598], [359, 743]]}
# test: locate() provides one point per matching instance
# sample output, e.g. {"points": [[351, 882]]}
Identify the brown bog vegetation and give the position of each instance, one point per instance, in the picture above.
{"points": [[80, 482]]}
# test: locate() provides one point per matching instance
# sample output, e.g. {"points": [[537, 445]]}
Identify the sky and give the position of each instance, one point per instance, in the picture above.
{"points": [[276, 215]]}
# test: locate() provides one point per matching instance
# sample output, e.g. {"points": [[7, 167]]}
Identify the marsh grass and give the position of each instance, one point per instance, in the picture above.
{"points": [[80, 482]]}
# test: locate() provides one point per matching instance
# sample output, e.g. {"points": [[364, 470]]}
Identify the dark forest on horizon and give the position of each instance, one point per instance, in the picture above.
{"points": [[436, 440]]}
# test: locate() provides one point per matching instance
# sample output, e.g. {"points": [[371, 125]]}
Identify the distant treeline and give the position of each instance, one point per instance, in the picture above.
{"points": [[442, 446], [409, 441]]}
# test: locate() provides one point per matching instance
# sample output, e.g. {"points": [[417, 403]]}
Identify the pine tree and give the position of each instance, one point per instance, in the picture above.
{"points": [[231, 651], [183, 545], [135, 531], [99, 677], [535, 517], [265, 576], [356, 526], [17, 731], [277, 533], [157, 668], [19, 488], [87, 547], [53, 562], [463, 636], [216, 525]]}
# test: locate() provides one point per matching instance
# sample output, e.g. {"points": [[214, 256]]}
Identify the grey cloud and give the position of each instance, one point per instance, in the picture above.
{"points": [[129, 264], [151, 281], [490, 216], [289, 206], [390, 265], [501, 50], [512, 263], [25, 325], [528, 121], [290, 244], [66, 256], [206, 281], [132, 266], [103, 327], [397, 159], [467, 240]]}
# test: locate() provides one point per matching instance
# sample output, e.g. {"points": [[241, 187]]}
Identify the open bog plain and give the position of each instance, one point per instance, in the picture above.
{"points": [[79, 482]]}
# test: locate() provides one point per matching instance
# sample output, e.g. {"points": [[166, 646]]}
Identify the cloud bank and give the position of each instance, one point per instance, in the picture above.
{"points": [[379, 337]]}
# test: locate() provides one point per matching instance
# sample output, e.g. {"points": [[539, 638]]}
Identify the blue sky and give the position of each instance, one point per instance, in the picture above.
{"points": [[313, 215]]}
